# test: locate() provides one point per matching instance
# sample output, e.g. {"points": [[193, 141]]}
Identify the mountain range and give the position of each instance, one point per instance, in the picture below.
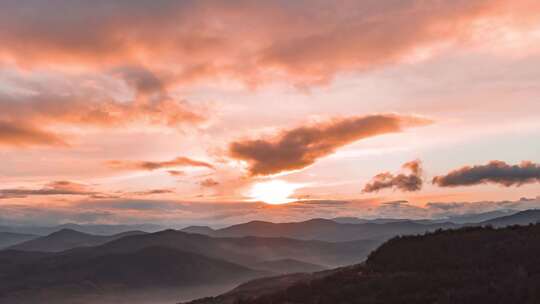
{"points": [[150, 268], [350, 229], [70, 266], [468, 265], [168, 262]]}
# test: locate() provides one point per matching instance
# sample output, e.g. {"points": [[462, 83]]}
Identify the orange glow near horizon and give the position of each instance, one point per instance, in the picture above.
{"points": [[274, 192]]}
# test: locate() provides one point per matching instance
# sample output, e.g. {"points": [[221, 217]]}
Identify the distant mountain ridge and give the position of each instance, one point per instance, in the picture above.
{"points": [[248, 250], [97, 229], [67, 239], [8, 239], [322, 230], [526, 217], [350, 228]]}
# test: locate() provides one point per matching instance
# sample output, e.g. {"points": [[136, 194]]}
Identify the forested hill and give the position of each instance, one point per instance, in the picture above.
{"points": [[469, 265]]}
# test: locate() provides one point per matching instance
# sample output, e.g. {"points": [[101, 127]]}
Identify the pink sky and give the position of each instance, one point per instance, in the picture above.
{"points": [[196, 111]]}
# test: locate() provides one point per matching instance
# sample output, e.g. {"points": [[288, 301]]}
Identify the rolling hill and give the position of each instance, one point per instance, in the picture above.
{"points": [[148, 269], [67, 239], [245, 250], [145, 263]]}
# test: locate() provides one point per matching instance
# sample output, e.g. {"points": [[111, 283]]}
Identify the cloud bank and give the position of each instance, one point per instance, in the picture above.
{"points": [[195, 39]]}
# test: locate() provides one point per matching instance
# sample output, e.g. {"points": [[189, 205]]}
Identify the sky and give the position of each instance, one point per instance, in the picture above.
{"points": [[218, 112]]}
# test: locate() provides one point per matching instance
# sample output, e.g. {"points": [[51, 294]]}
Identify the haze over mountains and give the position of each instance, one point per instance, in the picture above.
{"points": [[128, 264], [8, 239], [170, 265], [469, 265], [149, 269]]}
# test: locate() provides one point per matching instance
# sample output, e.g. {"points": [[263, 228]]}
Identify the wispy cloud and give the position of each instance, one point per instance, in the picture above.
{"points": [[53, 188], [180, 161]]}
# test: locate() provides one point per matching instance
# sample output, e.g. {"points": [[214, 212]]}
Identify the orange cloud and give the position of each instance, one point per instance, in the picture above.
{"points": [[208, 183], [200, 39], [495, 172], [95, 107], [154, 165], [300, 147], [85, 109], [404, 182], [15, 134]]}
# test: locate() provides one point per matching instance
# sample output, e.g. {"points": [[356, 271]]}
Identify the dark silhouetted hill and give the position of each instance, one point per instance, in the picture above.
{"points": [[466, 266], [263, 286], [285, 266]]}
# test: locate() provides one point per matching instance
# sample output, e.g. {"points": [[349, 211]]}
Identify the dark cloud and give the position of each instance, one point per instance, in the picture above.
{"points": [[180, 161], [176, 173], [495, 172], [21, 134], [208, 183], [404, 182], [151, 192], [300, 147]]}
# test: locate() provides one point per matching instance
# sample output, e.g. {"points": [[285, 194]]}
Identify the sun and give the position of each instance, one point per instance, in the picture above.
{"points": [[275, 192]]}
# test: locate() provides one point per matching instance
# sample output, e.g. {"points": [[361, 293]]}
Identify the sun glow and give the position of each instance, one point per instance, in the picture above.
{"points": [[273, 192]]}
